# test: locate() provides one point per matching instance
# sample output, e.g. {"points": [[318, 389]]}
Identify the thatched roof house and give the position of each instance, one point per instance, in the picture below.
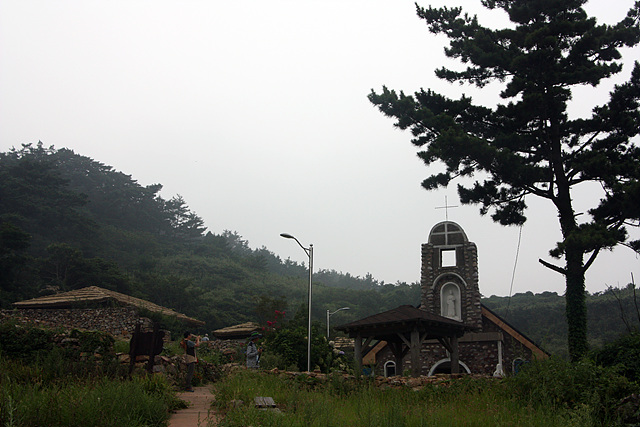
{"points": [[96, 296], [236, 332]]}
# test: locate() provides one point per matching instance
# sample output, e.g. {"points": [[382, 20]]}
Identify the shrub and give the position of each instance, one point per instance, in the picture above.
{"points": [[290, 344], [623, 353], [581, 386], [24, 342]]}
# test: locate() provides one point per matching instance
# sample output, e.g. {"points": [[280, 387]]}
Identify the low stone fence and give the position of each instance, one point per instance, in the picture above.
{"points": [[385, 382]]}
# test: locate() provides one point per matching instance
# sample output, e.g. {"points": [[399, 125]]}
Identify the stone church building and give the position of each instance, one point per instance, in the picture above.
{"points": [[450, 324]]}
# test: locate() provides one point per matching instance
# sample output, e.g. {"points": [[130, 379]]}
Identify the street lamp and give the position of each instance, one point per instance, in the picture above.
{"points": [[309, 252], [331, 314]]}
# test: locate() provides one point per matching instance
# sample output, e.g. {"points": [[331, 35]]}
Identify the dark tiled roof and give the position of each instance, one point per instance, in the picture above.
{"points": [[404, 314]]}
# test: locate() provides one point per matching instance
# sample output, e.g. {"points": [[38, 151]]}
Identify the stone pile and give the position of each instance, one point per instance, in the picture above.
{"points": [[230, 349], [173, 367]]}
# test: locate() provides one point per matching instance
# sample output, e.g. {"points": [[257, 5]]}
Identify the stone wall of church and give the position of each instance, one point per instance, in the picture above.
{"points": [[512, 349], [467, 268], [481, 357]]}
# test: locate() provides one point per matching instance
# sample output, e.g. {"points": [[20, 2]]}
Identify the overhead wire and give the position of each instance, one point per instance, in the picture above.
{"points": [[513, 274]]}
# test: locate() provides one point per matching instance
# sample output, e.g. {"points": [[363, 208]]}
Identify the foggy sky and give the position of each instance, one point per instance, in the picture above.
{"points": [[256, 113]]}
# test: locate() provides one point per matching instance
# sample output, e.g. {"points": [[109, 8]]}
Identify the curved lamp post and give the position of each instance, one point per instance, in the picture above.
{"points": [[331, 314], [309, 252]]}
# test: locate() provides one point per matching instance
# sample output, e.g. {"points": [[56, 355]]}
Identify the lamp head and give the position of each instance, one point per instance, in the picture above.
{"points": [[287, 236]]}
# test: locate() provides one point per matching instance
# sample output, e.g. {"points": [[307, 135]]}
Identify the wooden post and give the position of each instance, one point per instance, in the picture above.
{"points": [[398, 355], [415, 353], [357, 354], [455, 358], [151, 350], [133, 348]]}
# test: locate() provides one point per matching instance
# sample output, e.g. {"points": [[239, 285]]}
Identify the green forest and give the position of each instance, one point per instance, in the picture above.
{"points": [[68, 221]]}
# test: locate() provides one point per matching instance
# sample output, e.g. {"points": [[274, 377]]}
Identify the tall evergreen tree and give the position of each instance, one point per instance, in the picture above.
{"points": [[529, 145]]}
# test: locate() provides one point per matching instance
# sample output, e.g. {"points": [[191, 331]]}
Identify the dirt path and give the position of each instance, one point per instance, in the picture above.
{"points": [[199, 413]]}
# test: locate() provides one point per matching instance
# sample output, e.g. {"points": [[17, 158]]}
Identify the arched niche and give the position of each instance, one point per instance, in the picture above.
{"points": [[450, 305], [390, 369]]}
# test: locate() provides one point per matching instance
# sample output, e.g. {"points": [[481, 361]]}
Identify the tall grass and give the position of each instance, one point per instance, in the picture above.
{"points": [[338, 402], [101, 403], [55, 391]]}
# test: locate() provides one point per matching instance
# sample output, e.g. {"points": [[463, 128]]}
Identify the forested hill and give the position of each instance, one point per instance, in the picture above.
{"points": [[68, 221], [541, 317]]}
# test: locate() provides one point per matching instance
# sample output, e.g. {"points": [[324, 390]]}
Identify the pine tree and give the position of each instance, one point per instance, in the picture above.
{"points": [[528, 145]]}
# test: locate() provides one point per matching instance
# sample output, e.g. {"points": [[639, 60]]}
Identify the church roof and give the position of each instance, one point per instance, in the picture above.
{"points": [[405, 315], [519, 336], [447, 233], [95, 294]]}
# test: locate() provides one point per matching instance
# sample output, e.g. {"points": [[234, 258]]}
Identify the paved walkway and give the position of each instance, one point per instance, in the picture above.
{"points": [[199, 412]]}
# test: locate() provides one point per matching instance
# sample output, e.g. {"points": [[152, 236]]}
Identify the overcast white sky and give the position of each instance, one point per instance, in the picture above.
{"points": [[256, 112]]}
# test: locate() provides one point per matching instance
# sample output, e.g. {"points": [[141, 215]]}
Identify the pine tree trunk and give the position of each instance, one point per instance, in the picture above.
{"points": [[576, 306]]}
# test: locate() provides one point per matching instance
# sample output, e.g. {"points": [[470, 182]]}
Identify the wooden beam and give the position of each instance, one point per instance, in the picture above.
{"points": [[515, 334], [415, 353], [404, 339], [371, 356], [367, 342], [446, 343]]}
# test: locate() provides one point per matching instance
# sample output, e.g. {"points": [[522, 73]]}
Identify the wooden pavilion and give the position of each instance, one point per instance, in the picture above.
{"points": [[405, 329]]}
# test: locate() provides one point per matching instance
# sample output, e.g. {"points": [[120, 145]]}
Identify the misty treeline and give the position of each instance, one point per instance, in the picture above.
{"points": [[68, 221], [612, 313]]}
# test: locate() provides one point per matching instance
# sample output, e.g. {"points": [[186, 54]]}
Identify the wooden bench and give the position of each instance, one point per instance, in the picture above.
{"points": [[265, 403]]}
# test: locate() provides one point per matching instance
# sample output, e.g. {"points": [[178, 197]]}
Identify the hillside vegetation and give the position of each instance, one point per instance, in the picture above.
{"points": [[68, 221], [541, 317]]}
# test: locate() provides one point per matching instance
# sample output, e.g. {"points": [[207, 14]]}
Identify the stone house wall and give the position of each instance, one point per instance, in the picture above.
{"points": [[118, 321]]}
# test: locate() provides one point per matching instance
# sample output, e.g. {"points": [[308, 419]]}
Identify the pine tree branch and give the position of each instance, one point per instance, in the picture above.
{"points": [[591, 259], [553, 267]]}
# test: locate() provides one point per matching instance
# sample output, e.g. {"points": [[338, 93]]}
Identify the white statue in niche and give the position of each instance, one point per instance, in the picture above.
{"points": [[450, 302], [451, 305]]}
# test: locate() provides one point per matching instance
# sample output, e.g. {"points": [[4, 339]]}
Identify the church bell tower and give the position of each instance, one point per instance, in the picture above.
{"points": [[449, 278]]}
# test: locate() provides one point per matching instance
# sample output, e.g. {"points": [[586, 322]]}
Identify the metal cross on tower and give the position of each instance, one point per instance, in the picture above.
{"points": [[446, 208]]}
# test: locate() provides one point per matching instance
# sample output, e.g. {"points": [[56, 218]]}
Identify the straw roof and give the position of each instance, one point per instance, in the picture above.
{"points": [[95, 294], [240, 331]]}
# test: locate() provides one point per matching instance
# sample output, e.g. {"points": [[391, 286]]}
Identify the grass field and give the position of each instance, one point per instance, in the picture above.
{"points": [[303, 401]]}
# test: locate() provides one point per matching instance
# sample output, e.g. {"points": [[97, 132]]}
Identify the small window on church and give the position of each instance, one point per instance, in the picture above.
{"points": [[448, 258], [390, 369]]}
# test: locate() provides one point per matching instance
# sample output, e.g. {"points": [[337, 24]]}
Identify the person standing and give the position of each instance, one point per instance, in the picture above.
{"points": [[253, 352], [189, 343]]}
